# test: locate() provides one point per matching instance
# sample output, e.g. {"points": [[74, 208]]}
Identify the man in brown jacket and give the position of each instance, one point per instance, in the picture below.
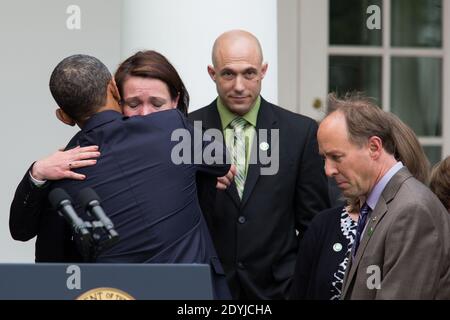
{"points": [[402, 245]]}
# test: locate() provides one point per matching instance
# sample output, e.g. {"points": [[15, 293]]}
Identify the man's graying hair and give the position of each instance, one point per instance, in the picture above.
{"points": [[364, 119], [79, 85]]}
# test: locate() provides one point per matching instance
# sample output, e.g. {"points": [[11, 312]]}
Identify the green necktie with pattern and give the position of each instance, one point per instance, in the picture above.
{"points": [[238, 152]]}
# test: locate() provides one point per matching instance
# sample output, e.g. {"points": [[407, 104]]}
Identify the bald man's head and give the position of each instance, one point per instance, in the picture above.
{"points": [[236, 38], [237, 70]]}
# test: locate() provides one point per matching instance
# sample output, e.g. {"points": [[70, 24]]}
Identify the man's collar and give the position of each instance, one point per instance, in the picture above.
{"points": [[226, 116], [374, 196], [101, 118]]}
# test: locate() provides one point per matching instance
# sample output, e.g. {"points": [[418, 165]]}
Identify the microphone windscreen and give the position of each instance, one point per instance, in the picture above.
{"points": [[56, 196], [86, 196]]}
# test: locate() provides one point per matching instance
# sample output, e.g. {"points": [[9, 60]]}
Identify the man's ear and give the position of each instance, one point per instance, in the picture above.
{"points": [[264, 68], [112, 87], [64, 117], [212, 73], [375, 146]]}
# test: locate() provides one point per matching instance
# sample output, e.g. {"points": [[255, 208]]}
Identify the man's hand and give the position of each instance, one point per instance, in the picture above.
{"points": [[224, 182], [60, 164]]}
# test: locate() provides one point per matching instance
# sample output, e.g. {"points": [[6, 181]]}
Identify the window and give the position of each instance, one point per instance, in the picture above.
{"points": [[402, 61]]}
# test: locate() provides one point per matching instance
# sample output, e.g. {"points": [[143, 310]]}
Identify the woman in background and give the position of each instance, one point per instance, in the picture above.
{"points": [[440, 182]]}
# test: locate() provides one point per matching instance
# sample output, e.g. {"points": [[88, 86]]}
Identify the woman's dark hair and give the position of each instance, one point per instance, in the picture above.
{"points": [[151, 64], [440, 181]]}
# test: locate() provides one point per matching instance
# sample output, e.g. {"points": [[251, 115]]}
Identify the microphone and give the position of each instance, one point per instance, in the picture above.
{"points": [[62, 202], [90, 201]]}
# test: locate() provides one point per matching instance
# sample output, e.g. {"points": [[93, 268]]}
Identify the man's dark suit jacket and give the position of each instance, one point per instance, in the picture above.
{"points": [[152, 201], [256, 238]]}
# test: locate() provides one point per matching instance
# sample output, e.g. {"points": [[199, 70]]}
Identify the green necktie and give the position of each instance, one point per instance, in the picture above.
{"points": [[239, 152]]}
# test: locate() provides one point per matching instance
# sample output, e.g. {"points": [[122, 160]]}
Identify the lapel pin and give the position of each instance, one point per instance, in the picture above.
{"points": [[264, 146], [337, 247]]}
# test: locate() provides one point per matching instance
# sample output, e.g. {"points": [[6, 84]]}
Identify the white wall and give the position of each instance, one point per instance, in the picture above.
{"points": [[184, 31], [33, 39]]}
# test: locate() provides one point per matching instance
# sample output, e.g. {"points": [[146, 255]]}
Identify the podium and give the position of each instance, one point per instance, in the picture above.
{"points": [[47, 281]]}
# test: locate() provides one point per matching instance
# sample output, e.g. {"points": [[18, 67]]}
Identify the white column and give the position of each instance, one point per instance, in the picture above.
{"points": [[303, 55], [184, 31]]}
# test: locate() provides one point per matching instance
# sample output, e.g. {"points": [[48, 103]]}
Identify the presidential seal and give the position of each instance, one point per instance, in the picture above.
{"points": [[105, 294]]}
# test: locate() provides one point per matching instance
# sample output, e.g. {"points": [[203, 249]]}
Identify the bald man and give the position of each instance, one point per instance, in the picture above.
{"points": [[280, 183]]}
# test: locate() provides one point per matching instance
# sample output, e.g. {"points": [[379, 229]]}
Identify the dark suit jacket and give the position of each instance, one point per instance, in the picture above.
{"points": [[405, 251], [319, 267], [256, 238], [31, 214], [151, 200], [31, 211]]}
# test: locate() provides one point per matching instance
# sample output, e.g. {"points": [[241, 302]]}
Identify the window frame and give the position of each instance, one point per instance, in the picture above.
{"points": [[304, 51]]}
